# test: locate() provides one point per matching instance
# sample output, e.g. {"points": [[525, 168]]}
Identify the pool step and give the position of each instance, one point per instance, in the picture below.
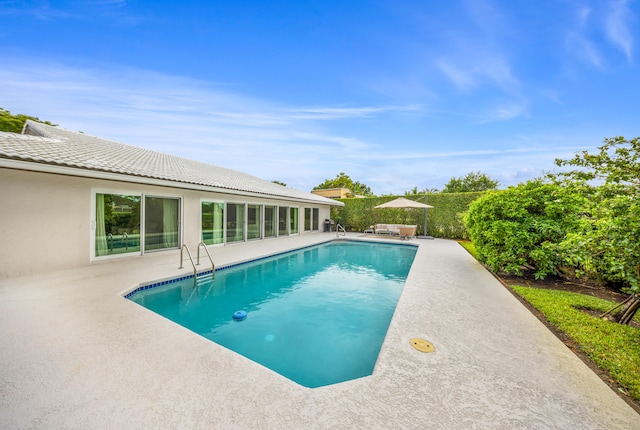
{"points": [[195, 271], [202, 279]]}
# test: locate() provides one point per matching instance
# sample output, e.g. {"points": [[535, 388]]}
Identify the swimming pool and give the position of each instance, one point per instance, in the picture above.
{"points": [[317, 316]]}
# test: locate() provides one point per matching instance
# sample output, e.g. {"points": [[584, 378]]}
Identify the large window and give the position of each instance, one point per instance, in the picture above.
{"points": [[161, 223], [142, 223], [212, 222], [117, 224], [293, 220], [283, 228], [269, 221], [316, 219], [254, 222], [311, 222], [307, 219], [235, 222]]}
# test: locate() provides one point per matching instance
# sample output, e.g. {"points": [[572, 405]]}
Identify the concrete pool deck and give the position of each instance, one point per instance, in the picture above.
{"points": [[75, 354]]}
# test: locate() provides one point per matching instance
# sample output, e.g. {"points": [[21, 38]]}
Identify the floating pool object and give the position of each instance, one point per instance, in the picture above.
{"points": [[239, 315], [422, 345]]}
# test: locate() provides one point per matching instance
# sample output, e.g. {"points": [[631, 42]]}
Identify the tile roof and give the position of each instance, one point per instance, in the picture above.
{"points": [[45, 144]]}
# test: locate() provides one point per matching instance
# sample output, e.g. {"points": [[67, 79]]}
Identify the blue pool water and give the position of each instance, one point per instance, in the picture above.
{"points": [[317, 316]]}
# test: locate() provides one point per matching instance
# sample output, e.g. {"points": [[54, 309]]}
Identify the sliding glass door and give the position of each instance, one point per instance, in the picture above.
{"points": [[283, 213], [254, 222], [117, 224], [270, 221], [307, 219], [212, 222], [293, 220], [161, 223], [311, 222], [316, 219], [141, 223], [235, 222]]}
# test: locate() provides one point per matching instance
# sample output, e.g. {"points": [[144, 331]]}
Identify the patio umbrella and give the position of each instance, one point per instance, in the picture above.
{"points": [[403, 203]]}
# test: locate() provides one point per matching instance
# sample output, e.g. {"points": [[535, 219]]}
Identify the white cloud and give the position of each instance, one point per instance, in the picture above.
{"points": [[505, 111], [474, 52], [113, 3], [617, 28], [583, 48], [470, 70], [189, 118], [461, 77], [299, 145], [614, 19], [583, 15], [333, 113]]}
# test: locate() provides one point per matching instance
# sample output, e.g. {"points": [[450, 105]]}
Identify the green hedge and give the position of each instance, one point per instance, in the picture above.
{"points": [[444, 220]]}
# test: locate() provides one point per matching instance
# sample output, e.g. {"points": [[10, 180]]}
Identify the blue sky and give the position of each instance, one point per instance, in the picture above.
{"points": [[395, 93]]}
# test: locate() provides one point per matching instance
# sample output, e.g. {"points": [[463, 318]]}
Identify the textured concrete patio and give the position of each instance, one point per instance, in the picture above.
{"points": [[75, 354]]}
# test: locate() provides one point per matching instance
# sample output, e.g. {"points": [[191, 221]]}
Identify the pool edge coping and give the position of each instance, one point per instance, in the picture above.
{"points": [[143, 286]]}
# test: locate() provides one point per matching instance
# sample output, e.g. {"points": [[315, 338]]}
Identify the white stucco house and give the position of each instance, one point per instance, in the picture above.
{"points": [[68, 199]]}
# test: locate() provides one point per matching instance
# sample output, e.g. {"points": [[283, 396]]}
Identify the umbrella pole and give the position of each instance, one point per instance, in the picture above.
{"points": [[424, 233]]}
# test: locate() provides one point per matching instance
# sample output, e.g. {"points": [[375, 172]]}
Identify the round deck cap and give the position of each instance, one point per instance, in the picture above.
{"points": [[422, 345]]}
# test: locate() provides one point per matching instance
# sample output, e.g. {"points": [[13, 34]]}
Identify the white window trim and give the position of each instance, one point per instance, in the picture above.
{"points": [[93, 226], [224, 221], [264, 223], [143, 208], [261, 221], [142, 195]]}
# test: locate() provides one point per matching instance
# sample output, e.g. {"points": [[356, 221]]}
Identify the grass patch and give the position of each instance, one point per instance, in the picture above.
{"points": [[470, 247], [612, 346]]}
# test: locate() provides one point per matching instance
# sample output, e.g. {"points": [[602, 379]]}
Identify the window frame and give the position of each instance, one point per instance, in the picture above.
{"points": [[142, 196], [274, 221], [94, 223], [314, 219], [144, 217], [294, 220], [309, 219], [286, 221], [259, 219], [244, 222], [224, 218]]}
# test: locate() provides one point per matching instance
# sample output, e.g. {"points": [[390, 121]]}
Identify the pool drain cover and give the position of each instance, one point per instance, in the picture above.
{"points": [[422, 345]]}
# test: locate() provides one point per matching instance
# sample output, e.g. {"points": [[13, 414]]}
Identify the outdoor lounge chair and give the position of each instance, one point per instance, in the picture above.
{"points": [[402, 230]]}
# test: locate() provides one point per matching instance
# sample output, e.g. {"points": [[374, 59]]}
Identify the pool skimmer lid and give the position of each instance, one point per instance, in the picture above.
{"points": [[422, 345]]}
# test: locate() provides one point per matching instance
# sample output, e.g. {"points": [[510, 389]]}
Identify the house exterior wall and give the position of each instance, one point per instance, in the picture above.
{"points": [[47, 221], [333, 193], [43, 222]]}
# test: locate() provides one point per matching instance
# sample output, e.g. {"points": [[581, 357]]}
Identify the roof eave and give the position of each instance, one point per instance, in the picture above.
{"points": [[34, 166]]}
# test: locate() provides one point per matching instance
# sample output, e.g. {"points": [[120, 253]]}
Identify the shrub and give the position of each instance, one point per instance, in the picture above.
{"points": [[521, 226], [444, 220]]}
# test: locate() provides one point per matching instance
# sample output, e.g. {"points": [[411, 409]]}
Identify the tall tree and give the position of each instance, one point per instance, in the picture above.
{"points": [[414, 191], [473, 181], [342, 180], [607, 245], [15, 123]]}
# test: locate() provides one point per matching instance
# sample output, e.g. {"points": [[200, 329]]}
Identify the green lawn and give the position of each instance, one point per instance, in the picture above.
{"points": [[470, 247], [614, 347]]}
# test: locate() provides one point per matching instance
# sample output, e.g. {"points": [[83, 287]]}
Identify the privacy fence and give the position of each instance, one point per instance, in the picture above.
{"points": [[444, 220]]}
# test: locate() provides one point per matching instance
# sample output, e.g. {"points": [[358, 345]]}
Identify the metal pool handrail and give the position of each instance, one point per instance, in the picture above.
{"points": [[213, 267], [190, 259]]}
